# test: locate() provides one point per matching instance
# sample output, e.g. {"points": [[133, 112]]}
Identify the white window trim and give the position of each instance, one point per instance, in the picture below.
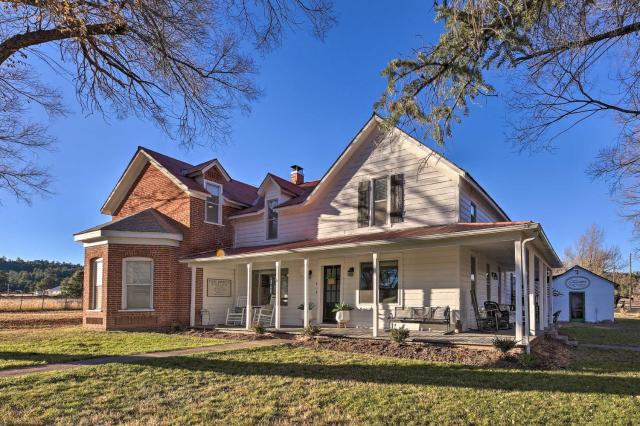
{"points": [[266, 221], [92, 278], [372, 203], [124, 284], [220, 202], [400, 302]]}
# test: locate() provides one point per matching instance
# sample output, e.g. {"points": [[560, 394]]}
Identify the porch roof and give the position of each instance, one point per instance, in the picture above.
{"points": [[453, 230]]}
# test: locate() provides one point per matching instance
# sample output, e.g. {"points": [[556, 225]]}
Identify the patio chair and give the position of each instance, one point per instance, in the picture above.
{"points": [[502, 316], [485, 322], [265, 316], [236, 314]]}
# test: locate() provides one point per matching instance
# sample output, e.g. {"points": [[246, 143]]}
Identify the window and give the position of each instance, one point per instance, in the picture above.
{"points": [[474, 213], [513, 290], [380, 201], [264, 287], [387, 283], [397, 198], [473, 273], [95, 296], [499, 285], [488, 282], [272, 219], [213, 211], [137, 283], [388, 195], [364, 201]]}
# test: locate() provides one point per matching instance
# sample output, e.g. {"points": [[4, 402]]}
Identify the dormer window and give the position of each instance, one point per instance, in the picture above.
{"points": [[213, 204], [272, 219]]}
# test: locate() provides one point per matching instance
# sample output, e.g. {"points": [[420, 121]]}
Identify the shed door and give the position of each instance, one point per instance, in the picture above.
{"points": [[576, 306]]}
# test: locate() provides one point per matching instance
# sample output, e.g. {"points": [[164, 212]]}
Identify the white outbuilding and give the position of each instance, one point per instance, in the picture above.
{"points": [[580, 295]]}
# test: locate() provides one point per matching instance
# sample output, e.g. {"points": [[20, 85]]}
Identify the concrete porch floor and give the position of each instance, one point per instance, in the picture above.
{"points": [[468, 338]]}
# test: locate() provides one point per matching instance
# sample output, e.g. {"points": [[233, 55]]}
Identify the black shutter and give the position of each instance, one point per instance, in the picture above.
{"points": [[363, 203], [397, 198]]}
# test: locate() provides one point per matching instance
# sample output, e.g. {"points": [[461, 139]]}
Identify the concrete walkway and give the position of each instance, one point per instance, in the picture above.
{"points": [[141, 357], [615, 347]]}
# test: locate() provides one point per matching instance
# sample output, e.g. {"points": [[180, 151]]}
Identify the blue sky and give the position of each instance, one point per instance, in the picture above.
{"points": [[316, 97]]}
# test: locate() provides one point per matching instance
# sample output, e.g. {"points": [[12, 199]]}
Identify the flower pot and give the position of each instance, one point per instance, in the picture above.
{"points": [[343, 316]]}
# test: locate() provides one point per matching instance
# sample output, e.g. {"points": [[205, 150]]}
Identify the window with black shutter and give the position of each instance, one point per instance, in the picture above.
{"points": [[397, 198], [363, 203]]}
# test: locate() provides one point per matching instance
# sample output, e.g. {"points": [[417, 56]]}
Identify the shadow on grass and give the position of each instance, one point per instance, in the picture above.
{"points": [[36, 357], [424, 374]]}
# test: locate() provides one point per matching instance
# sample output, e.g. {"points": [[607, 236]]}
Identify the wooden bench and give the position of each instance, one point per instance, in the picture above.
{"points": [[440, 315]]}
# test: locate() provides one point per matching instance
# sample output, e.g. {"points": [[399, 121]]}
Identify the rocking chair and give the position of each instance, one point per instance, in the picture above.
{"points": [[486, 323]]}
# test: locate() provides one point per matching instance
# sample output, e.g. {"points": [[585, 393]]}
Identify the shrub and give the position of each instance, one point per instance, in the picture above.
{"points": [[311, 331], [528, 360], [258, 329], [301, 306], [399, 335], [503, 344], [338, 307]]}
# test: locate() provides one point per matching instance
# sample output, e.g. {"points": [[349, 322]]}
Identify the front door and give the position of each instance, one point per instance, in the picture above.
{"points": [[331, 292], [576, 306]]}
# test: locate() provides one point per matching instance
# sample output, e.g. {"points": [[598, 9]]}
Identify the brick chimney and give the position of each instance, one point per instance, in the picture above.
{"points": [[297, 175]]}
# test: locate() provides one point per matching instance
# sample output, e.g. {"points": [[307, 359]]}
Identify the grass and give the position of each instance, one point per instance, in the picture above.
{"points": [[21, 348], [297, 385], [624, 331]]}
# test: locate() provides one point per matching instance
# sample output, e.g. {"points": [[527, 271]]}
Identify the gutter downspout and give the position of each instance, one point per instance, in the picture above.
{"points": [[525, 267]]}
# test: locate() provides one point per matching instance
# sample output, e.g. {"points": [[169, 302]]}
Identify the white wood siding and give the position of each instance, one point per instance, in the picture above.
{"points": [[431, 196], [484, 211]]}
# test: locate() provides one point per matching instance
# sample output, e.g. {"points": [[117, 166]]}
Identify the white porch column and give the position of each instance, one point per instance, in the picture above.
{"points": [[532, 294], [192, 310], [543, 297], [249, 309], [550, 296], [376, 290], [305, 272], [518, 277], [277, 301]]}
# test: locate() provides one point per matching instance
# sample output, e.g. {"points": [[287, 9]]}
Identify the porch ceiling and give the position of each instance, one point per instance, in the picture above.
{"points": [[502, 252]]}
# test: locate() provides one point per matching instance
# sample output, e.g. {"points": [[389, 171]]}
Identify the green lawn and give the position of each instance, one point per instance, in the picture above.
{"points": [[625, 331], [296, 385], [20, 348]]}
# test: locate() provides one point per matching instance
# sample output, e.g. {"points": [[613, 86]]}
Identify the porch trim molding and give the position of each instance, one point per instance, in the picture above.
{"points": [[444, 236]]}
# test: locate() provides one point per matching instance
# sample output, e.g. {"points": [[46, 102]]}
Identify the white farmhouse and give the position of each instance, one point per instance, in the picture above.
{"points": [[581, 295]]}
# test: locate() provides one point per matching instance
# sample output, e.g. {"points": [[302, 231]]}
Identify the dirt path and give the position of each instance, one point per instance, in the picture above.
{"points": [[140, 357]]}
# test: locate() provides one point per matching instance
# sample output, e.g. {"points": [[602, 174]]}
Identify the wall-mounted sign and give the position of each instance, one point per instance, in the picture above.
{"points": [[218, 288], [577, 283]]}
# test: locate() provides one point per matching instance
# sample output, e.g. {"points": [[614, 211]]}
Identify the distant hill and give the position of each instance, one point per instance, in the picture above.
{"points": [[23, 275]]}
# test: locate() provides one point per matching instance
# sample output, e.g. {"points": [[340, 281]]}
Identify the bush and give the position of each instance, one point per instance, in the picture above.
{"points": [[399, 335], [311, 331], [528, 360], [503, 344], [258, 329]]}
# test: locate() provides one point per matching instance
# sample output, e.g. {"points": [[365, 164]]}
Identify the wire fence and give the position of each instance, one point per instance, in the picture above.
{"points": [[31, 303]]}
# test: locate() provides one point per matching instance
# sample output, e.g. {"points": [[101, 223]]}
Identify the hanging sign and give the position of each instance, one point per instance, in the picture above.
{"points": [[218, 288], [577, 283]]}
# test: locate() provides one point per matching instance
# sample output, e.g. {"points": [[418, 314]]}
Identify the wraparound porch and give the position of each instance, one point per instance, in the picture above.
{"points": [[507, 266]]}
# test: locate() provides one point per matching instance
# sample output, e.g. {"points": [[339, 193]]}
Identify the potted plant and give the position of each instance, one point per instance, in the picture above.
{"points": [[311, 311], [343, 313]]}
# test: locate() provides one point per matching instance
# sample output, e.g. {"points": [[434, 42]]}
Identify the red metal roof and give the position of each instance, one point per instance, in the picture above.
{"points": [[424, 231], [233, 190]]}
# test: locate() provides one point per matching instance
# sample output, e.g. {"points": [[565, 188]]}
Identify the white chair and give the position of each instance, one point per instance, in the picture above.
{"points": [[266, 314], [236, 314]]}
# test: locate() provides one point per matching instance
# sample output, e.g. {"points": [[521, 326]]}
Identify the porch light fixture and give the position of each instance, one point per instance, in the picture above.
{"points": [[350, 271], [310, 273]]}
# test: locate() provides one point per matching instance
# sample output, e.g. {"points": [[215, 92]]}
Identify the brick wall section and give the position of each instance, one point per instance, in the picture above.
{"points": [[153, 189], [165, 276], [172, 280]]}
